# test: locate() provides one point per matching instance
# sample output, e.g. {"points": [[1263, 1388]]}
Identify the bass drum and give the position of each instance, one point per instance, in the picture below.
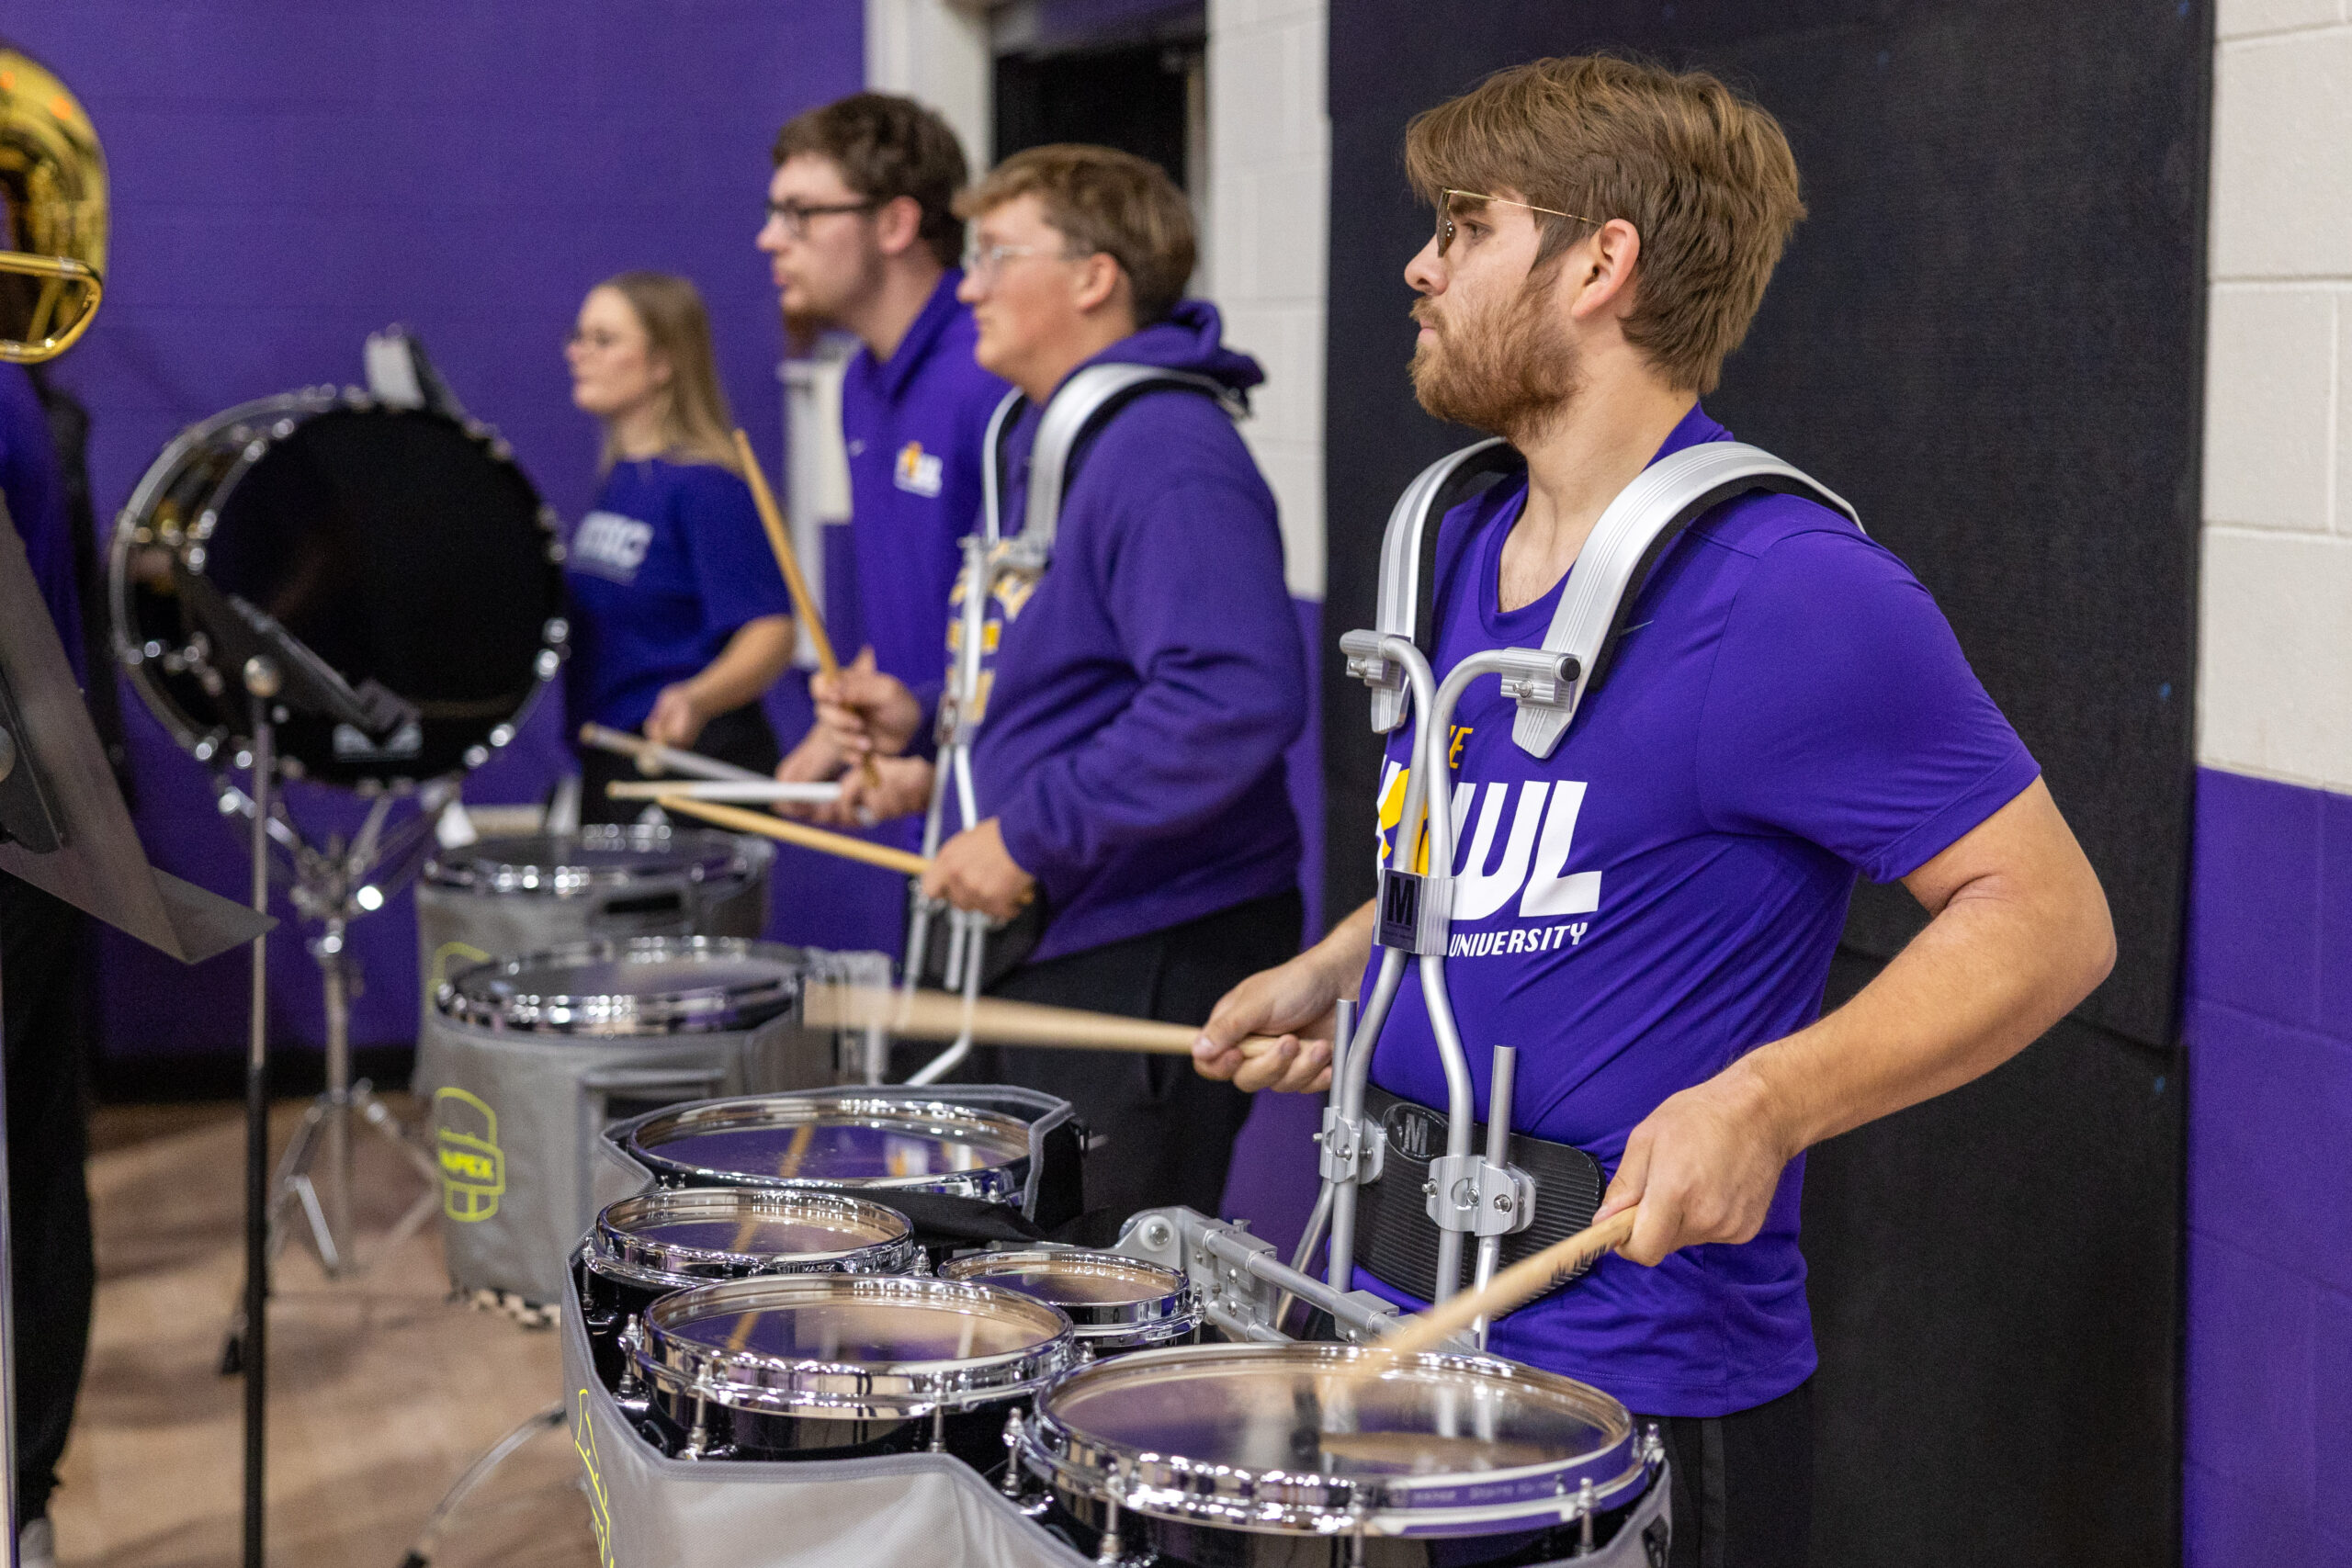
{"points": [[402, 546]]}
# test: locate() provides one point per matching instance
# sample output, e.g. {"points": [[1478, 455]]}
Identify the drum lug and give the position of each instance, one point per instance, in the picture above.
{"points": [[939, 1429]]}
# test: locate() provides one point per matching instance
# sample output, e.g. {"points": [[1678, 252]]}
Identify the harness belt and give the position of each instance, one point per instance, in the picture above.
{"points": [[1398, 1239]]}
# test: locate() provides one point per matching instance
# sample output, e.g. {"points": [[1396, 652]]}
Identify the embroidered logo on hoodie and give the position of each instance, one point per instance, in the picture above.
{"points": [[917, 471]]}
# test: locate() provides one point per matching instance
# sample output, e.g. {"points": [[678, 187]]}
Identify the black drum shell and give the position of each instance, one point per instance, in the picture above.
{"points": [[975, 1435], [401, 546]]}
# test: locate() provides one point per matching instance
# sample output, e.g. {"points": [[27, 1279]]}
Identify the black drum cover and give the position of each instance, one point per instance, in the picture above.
{"points": [[402, 546]]}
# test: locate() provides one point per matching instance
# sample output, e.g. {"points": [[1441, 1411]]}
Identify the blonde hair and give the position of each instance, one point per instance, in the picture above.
{"points": [[1107, 201], [696, 427], [1703, 174]]}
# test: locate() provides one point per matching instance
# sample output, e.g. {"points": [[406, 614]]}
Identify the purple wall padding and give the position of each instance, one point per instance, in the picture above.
{"points": [[2269, 1025], [287, 178]]}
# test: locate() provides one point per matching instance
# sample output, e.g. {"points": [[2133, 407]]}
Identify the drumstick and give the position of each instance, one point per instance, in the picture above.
{"points": [[733, 791], [1520, 1283], [652, 754], [816, 839], [772, 519], [942, 1015]]}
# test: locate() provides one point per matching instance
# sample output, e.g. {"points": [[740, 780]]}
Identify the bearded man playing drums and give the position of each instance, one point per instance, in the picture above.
{"points": [[1787, 708]]}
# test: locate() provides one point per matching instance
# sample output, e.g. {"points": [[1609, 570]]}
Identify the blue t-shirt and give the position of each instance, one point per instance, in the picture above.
{"points": [[659, 576], [1665, 893]]}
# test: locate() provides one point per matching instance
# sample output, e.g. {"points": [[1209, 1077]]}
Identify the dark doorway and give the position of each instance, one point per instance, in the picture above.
{"points": [[1137, 97]]}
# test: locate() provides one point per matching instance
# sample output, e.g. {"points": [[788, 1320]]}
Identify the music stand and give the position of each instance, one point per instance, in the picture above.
{"points": [[65, 828]]}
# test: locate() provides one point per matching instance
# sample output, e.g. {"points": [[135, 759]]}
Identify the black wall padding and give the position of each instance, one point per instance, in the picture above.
{"points": [[1987, 336], [1996, 1294]]}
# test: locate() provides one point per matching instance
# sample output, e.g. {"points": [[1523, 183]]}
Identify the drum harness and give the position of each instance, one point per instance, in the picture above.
{"points": [[1469, 1192], [1075, 414]]}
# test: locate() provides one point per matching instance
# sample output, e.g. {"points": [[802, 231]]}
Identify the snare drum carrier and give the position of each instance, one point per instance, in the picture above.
{"points": [[531, 1056], [1404, 1183], [503, 898], [973, 955]]}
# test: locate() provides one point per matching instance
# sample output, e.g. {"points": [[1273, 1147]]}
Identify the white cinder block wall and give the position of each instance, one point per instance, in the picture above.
{"points": [[1270, 176], [2275, 687]]}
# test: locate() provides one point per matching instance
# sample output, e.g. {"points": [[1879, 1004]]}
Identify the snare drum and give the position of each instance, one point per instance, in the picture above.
{"points": [[1117, 1303], [832, 1365], [503, 897], [1248, 1455], [526, 1060], [644, 1248]]}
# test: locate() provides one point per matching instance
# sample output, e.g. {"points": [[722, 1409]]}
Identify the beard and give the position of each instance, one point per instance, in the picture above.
{"points": [[1509, 370]]}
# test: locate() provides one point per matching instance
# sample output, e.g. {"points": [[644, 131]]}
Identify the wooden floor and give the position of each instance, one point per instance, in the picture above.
{"points": [[381, 1390]]}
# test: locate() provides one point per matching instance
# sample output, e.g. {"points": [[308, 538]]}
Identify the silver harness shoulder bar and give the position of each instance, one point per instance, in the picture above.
{"points": [[1081, 407], [1633, 533]]}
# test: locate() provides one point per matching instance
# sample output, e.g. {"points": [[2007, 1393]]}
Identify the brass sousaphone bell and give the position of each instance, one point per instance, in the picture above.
{"points": [[53, 182]]}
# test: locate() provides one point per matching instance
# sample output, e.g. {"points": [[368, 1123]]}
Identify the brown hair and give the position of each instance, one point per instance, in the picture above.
{"points": [[1703, 174], [886, 147], [1107, 201], [696, 424]]}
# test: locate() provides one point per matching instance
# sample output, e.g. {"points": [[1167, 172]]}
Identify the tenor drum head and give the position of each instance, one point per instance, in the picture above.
{"points": [[837, 1141], [1115, 1302], [701, 1234], [644, 985], [398, 546], [597, 860], [1311, 1438]]}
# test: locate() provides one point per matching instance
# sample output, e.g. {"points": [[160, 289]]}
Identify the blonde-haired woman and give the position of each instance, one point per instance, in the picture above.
{"points": [[680, 619]]}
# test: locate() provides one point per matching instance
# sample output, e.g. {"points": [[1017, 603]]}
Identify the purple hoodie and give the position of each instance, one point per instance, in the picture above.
{"points": [[1142, 697]]}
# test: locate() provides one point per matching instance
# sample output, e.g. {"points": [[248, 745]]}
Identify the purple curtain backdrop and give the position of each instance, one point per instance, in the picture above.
{"points": [[287, 178]]}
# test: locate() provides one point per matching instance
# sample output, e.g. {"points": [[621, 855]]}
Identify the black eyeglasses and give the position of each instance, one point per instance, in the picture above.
{"points": [[795, 215]]}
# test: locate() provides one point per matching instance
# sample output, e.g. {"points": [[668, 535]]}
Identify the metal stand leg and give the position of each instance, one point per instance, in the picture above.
{"points": [[261, 681], [338, 1092], [420, 1554]]}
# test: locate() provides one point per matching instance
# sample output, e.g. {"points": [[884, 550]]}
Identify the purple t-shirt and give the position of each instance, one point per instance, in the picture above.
{"points": [[913, 427], [668, 566], [1665, 893]]}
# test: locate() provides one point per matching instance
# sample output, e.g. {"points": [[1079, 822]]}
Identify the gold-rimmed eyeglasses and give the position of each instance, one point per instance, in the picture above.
{"points": [[1445, 229]]}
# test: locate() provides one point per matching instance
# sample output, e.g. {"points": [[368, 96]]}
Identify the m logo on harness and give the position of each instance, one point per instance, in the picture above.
{"points": [[473, 1169], [1415, 1131]]}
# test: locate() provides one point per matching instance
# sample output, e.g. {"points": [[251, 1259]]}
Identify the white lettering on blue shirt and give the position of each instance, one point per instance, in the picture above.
{"points": [[611, 545]]}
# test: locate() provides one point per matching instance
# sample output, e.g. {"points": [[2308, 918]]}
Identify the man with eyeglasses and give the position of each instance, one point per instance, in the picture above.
{"points": [[1647, 910], [862, 235], [1139, 693]]}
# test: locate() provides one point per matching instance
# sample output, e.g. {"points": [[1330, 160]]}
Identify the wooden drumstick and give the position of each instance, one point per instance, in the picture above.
{"points": [[942, 1015], [772, 519], [901, 861], [803, 604], [1520, 1283]]}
